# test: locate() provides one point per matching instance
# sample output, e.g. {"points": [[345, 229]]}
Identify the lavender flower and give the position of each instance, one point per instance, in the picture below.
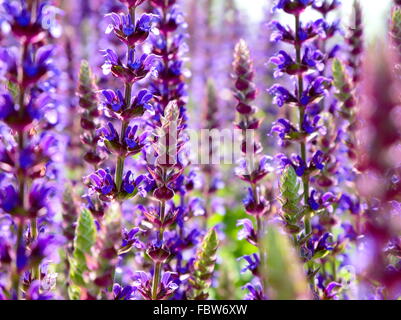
{"points": [[166, 170], [305, 96], [88, 101], [252, 169], [169, 45], [168, 125], [109, 185], [131, 33], [355, 41], [28, 152], [211, 121]]}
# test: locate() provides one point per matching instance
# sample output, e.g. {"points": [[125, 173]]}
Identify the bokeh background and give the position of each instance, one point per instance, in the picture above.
{"points": [[212, 29]]}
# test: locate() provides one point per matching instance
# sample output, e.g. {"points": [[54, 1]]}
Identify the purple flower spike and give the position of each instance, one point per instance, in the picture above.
{"points": [[314, 205], [296, 162], [103, 183], [306, 32], [22, 24], [8, 64], [123, 293], [136, 68], [38, 198], [133, 142], [131, 240], [310, 125], [315, 91], [347, 202], [35, 292], [253, 261], [35, 69], [317, 160], [22, 258], [330, 292], [43, 247], [317, 200], [110, 133], [255, 291], [29, 109], [130, 185], [168, 285], [9, 199], [247, 232], [114, 100], [7, 106], [282, 96], [116, 107], [127, 31]]}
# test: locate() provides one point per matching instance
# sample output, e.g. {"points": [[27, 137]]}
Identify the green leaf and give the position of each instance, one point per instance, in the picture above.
{"points": [[396, 27], [344, 90], [321, 254], [341, 81], [13, 89], [85, 238], [338, 74], [204, 266], [87, 89], [285, 274], [74, 292], [126, 196], [290, 189]]}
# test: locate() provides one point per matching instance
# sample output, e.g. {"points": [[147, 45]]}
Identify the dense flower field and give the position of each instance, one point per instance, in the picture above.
{"points": [[179, 150]]}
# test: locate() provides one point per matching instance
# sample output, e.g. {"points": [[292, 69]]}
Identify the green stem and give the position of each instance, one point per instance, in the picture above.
{"points": [[259, 222], [334, 268], [305, 178], [119, 172], [206, 196], [295, 239], [259, 226], [132, 13], [156, 280], [124, 125], [162, 215], [262, 253], [34, 233], [16, 277], [34, 228], [158, 265]]}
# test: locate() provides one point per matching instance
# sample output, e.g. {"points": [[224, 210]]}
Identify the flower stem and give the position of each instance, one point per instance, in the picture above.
{"points": [[119, 172], [158, 265], [132, 13], [124, 125], [16, 277], [334, 268], [305, 178], [156, 280], [207, 197], [32, 7], [34, 233], [162, 214]]}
